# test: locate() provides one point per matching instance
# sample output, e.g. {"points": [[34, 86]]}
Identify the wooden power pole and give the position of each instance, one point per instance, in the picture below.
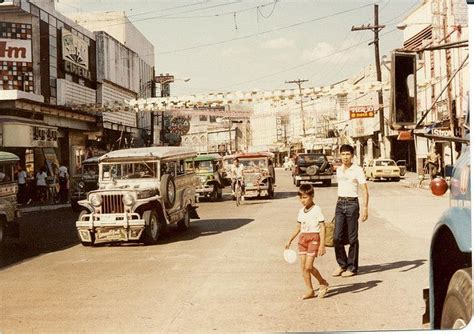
{"points": [[299, 82], [375, 28]]}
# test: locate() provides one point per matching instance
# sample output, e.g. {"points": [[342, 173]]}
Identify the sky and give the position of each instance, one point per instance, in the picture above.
{"points": [[257, 45]]}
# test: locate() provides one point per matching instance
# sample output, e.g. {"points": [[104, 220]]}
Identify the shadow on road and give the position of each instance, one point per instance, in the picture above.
{"points": [[353, 288], [389, 266], [40, 233], [205, 227], [285, 194]]}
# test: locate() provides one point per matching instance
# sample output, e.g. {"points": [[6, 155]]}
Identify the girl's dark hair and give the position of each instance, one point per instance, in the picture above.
{"points": [[306, 189], [347, 148]]}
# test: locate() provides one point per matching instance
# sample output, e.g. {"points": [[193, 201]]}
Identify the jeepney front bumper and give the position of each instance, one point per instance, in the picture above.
{"points": [[313, 178], [110, 227]]}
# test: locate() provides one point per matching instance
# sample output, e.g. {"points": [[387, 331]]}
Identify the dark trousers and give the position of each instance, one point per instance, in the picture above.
{"points": [[21, 197], [346, 231]]}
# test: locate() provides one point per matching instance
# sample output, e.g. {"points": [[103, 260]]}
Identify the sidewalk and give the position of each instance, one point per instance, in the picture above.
{"points": [[410, 180], [34, 207]]}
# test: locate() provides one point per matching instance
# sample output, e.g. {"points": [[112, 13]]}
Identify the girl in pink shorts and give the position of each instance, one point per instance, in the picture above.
{"points": [[311, 229]]}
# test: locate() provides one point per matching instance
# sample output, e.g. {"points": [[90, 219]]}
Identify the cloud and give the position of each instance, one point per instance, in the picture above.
{"points": [[279, 43], [327, 52]]}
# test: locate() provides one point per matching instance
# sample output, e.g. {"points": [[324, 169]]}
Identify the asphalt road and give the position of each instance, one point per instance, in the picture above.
{"points": [[226, 273]]}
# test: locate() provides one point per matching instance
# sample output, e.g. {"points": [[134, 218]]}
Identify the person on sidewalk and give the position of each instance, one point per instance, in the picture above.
{"points": [[433, 162], [349, 178], [63, 184], [311, 241], [41, 185], [21, 197]]}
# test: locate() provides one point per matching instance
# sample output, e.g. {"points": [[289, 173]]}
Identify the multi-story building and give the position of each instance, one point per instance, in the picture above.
{"points": [[433, 23]]}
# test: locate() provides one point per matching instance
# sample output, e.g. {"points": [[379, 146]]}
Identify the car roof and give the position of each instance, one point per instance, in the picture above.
{"points": [[149, 153], [91, 160], [7, 156]]}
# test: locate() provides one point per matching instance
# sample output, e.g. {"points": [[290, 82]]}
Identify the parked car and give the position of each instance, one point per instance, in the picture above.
{"points": [[258, 174], [87, 181], [402, 164], [382, 169], [312, 168], [141, 192], [8, 196], [209, 176]]}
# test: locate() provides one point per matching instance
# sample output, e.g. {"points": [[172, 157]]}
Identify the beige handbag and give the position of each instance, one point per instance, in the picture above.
{"points": [[329, 233]]}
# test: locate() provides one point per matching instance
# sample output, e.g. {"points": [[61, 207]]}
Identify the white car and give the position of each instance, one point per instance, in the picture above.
{"points": [[382, 169], [141, 191]]}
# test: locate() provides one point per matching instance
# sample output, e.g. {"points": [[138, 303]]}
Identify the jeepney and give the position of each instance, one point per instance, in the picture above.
{"points": [[84, 182], [209, 178], [141, 192], [8, 196], [258, 174]]}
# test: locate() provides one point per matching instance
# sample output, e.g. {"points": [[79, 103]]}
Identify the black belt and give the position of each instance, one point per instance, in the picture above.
{"points": [[347, 198]]}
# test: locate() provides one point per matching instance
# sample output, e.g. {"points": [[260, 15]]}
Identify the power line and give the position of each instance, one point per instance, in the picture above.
{"points": [[269, 15], [263, 32]]}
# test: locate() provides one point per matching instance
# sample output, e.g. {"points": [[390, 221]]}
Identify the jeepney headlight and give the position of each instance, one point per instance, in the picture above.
{"points": [[128, 199], [96, 200]]}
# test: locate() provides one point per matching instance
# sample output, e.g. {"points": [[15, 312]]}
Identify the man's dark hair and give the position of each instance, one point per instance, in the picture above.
{"points": [[347, 148], [306, 189]]}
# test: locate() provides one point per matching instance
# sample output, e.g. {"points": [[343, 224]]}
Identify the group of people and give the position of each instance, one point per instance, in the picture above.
{"points": [[311, 229], [60, 181]]}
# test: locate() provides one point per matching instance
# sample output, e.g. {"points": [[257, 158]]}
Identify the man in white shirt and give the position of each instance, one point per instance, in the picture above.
{"points": [[236, 172], [349, 177]]}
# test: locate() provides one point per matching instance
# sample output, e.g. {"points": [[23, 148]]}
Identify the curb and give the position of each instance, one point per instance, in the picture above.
{"points": [[43, 208]]}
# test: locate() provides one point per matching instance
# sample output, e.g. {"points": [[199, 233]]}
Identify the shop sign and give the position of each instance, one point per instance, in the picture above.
{"points": [[179, 125], [17, 50], [442, 110], [442, 132], [77, 70], [75, 50], [44, 137], [361, 112]]}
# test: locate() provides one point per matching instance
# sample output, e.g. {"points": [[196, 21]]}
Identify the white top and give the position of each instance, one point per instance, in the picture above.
{"points": [[2, 176], [41, 178], [237, 172], [63, 171], [310, 220], [348, 180], [22, 177]]}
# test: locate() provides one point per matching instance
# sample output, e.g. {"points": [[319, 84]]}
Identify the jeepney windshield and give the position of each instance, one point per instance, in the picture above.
{"points": [[254, 163], [206, 166], [127, 171], [6, 173]]}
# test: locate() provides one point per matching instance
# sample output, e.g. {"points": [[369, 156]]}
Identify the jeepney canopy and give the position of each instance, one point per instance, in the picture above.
{"points": [[268, 155], [148, 153], [208, 157], [93, 160], [8, 157]]}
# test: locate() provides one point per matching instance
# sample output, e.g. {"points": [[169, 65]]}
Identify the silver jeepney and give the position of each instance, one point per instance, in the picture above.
{"points": [[141, 192]]}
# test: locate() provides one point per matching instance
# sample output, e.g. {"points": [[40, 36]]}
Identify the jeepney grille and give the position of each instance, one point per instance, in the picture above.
{"points": [[112, 204]]}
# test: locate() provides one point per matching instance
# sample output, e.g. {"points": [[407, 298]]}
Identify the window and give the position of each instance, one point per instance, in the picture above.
{"points": [[181, 168], [168, 168], [29, 161]]}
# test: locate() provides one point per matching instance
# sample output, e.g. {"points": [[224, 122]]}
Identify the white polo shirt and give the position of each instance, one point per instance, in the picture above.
{"points": [[310, 220], [349, 179]]}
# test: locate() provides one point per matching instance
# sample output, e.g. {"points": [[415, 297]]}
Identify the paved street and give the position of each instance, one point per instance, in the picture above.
{"points": [[226, 273]]}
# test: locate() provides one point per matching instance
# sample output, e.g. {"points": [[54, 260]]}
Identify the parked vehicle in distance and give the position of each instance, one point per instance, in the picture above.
{"points": [[141, 192], [8, 196], [382, 169], [258, 174], [312, 168], [87, 181], [402, 164], [335, 164], [209, 178]]}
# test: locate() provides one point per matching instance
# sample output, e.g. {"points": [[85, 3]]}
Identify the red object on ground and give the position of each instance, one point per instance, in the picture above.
{"points": [[438, 186]]}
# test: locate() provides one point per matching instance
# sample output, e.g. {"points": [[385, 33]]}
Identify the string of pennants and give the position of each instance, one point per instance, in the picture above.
{"points": [[216, 103]]}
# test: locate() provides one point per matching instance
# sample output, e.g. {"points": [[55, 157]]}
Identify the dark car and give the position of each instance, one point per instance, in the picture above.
{"points": [[312, 168], [85, 182]]}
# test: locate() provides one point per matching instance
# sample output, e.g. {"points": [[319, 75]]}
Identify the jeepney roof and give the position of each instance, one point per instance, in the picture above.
{"points": [[255, 155], [207, 157], [91, 160], [7, 156], [148, 153]]}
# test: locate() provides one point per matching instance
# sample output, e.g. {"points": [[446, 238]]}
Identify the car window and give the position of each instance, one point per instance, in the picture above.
{"points": [[168, 167], [180, 168], [385, 163], [311, 158]]}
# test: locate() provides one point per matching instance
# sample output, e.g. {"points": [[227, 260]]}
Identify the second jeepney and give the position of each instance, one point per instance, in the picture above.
{"points": [[141, 192]]}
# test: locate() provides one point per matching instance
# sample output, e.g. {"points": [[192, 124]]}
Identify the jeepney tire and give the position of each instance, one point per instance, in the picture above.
{"points": [[184, 223], [396, 179], [457, 308], [214, 195], [2, 230], [219, 193], [270, 191], [297, 183], [327, 183], [167, 182], [85, 243], [153, 227]]}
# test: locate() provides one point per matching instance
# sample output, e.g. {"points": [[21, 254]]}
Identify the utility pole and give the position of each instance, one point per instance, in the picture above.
{"points": [[299, 82], [375, 28]]}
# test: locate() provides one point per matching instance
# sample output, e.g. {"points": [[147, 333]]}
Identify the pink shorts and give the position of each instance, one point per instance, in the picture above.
{"points": [[308, 244]]}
